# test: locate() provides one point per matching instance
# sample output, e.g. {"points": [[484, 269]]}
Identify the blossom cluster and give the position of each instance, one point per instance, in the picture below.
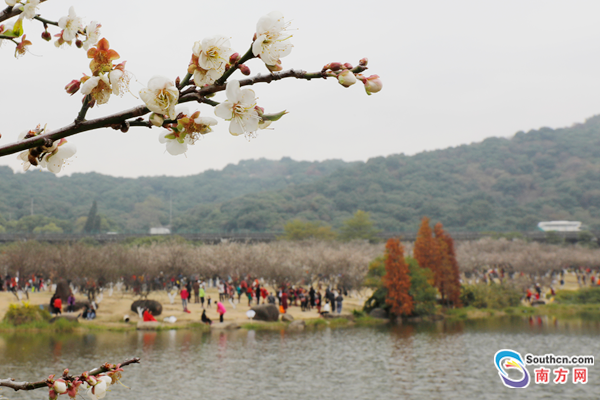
{"points": [[211, 58], [347, 77], [94, 387], [212, 62], [51, 155], [71, 27], [107, 78]]}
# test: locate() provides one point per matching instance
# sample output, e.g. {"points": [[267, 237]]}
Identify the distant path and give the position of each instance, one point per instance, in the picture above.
{"points": [[215, 238]]}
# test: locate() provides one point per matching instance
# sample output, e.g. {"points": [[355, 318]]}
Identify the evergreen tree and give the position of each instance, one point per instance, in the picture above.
{"points": [[300, 230], [90, 224], [397, 279], [359, 226]]}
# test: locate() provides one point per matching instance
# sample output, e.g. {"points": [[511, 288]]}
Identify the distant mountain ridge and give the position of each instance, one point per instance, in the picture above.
{"points": [[501, 184], [134, 204]]}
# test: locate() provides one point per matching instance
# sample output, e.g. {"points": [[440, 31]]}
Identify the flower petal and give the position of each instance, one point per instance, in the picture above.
{"points": [[224, 110], [233, 91]]}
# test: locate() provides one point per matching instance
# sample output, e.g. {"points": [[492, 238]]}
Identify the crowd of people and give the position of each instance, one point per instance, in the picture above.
{"points": [[255, 292]]}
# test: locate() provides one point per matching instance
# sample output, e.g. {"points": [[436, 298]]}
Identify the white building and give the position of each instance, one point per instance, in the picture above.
{"points": [[560, 226], [160, 230]]}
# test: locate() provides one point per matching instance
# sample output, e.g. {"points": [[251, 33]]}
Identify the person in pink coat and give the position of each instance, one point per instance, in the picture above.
{"points": [[221, 310]]}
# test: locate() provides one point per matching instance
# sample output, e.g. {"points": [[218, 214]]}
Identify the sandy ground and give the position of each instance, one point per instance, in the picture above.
{"points": [[113, 308]]}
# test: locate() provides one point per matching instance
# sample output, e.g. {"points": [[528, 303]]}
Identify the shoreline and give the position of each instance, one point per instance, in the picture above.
{"points": [[562, 311], [112, 309]]}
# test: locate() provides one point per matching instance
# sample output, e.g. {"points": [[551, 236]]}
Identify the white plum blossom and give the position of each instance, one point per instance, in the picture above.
{"points": [[59, 386], [272, 42], [239, 108], [93, 34], [51, 157], [210, 57], [11, 3], [98, 391], [24, 157], [346, 78], [119, 80], [55, 160], [29, 9], [70, 25], [187, 132], [175, 145], [161, 96], [98, 87]]}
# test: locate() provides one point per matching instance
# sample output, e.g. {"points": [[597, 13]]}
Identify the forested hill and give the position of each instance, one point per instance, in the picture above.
{"points": [[499, 184], [136, 204]]}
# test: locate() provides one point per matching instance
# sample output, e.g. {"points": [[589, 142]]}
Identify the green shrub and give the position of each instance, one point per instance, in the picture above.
{"points": [[582, 296], [25, 314], [490, 296], [377, 300], [375, 273], [424, 295]]}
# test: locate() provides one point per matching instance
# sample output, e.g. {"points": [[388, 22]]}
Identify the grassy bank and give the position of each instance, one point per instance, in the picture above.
{"points": [[585, 311]]}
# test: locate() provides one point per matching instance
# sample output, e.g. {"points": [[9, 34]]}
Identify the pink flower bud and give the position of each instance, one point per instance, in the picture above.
{"points": [[244, 69], [363, 62], [373, 84], [46, 36], [79, 43], [348, 66], [73, 87], [346, 78], [234, 58], [259, 110], [334, 66], [52, 395]]}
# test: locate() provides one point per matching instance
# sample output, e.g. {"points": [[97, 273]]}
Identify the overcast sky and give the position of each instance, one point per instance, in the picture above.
{"points": [[454, 72]]}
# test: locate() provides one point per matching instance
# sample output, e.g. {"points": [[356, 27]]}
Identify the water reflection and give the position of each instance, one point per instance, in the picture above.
{"points": [[413, 361]]}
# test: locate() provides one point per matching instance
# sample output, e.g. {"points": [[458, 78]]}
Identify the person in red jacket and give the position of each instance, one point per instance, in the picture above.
{"points": [[148, 317], [57, 305], [184, 298]]}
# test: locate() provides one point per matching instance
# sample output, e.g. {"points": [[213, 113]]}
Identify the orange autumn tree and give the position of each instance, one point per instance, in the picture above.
{"points": [[397, 279], [427, 250], [447, 274]]}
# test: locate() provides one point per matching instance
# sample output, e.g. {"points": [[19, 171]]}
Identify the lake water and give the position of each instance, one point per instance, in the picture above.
{"points": [[425, 361]]}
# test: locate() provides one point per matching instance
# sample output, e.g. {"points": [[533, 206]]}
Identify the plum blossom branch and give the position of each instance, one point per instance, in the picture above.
{"points": [[117, 119], [185, 81], [248, 56], [11, 38], [12, 384], [84, 108], [10, 12], [45, 21]]}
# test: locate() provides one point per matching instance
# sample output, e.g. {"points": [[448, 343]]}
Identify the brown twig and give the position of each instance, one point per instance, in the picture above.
{"points": [[12, 384]]}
